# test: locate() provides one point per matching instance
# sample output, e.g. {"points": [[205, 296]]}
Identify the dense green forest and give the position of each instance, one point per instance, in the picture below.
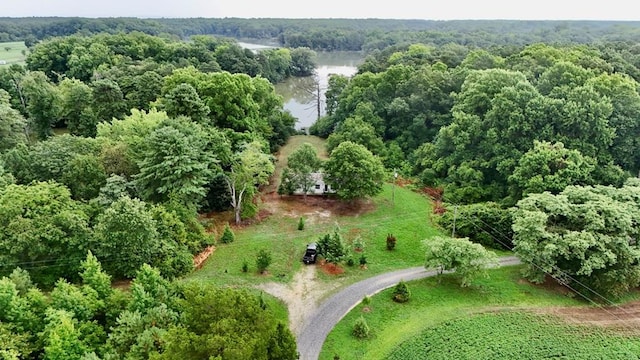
{"points": [[336, 34], [113, 140]]}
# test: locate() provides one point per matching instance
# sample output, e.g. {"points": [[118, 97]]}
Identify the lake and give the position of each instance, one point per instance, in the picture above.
{"points": [[301, 94]]}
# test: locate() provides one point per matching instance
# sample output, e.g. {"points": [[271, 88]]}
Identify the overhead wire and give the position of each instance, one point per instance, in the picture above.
{"points": [[623, 321]]}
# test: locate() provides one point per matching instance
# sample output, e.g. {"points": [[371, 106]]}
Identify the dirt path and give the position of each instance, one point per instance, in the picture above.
{"points": [[302, 296]]}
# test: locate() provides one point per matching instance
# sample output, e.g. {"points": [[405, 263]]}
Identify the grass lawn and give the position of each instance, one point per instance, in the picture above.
{"points": [[432, 304], [11, 52], [398, 211], [407, 220]]}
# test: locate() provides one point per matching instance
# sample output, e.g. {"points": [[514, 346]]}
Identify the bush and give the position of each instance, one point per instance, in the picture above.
{"points": [[350, 262], [391, 242], [227, 236], [366, 300], [245, 266], [361, 329], [358, 244], [301, 224], [401, 293], [263, 260], [331, 247], [363, 260]]}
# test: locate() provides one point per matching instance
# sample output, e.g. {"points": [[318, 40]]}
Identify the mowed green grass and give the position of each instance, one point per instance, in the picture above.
{"points": [[434, 302], [397, 211], [407, 220], [11, 52]]}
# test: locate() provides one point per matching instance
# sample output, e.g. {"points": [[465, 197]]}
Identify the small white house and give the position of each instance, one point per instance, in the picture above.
{"points": [[319, 188]]}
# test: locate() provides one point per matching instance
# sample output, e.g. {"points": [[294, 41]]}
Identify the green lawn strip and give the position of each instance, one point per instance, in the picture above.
{"points": [[14, 53], [431, 304], [407, 220]]}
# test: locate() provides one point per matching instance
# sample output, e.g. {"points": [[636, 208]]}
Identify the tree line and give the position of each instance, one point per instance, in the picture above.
{"points": [[145, 142], [536, 148], [155, 319], [336, 34]]}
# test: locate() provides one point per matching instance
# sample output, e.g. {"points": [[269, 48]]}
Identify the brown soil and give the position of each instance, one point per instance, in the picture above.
{"points": [[200, 258], [331, 269], [314, 208], [624, 318]]}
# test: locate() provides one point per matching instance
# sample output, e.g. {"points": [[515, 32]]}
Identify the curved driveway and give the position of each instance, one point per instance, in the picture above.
{"points": [[318, 325]]}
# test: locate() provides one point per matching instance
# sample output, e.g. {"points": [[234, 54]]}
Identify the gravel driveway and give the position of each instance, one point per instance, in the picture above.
{"points": [[319, 323]]}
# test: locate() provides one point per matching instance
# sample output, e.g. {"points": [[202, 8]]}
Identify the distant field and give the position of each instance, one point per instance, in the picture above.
{"points": [[12, 53]]}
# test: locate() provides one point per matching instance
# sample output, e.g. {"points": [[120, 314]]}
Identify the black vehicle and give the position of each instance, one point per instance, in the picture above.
{"points": [[311, 253]]}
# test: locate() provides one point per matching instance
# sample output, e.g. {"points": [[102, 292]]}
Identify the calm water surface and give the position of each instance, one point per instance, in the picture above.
{"points": [[301, 94]]}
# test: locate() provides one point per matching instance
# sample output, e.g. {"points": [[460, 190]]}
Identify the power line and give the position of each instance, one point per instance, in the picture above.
{"points": [[564, 283]]}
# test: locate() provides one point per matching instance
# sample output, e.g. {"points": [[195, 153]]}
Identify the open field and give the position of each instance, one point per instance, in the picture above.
{"points": [[12, 53], [514, 315]]}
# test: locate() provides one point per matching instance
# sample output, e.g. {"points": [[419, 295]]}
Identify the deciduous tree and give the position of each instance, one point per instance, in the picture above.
{"points": [[585, 237], [354, 172], [459, 255]]}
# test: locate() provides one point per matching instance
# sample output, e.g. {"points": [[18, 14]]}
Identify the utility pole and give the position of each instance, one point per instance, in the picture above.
{"points": [[455, 215], [393, 187]]}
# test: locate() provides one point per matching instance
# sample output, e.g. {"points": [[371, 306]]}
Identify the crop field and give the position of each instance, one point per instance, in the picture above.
{"points": [[513, 335], [441, 306], [12, 53]]}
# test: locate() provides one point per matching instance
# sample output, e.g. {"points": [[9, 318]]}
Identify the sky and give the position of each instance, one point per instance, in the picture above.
{"points": [[387, 9]]}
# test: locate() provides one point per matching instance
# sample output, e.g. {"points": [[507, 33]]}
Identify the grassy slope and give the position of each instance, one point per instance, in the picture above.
{"points": [[433, 303], [14, 54], [407, 218]]}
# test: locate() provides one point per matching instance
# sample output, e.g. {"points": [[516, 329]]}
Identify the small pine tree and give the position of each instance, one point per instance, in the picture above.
{"points": [[301, 224], [227, 236], [391, 242], [350, 261], [245, 266], [366, 300], [401, 293], [363, 260], [263, 260], [361, 329]]}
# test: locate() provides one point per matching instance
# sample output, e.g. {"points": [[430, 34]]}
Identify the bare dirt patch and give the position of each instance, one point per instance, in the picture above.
{"points": [[624, 318], [316, 208], [301, 295], [200, 258]]}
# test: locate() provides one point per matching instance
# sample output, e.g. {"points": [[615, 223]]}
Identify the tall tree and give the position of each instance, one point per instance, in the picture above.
{"points": [[13, 127], [211, 328], [126, 237], [550, 167], [42, 225], [178, 162], [43, 103], [249, 168], [76, 108], [586, 237], [301, 166], [354, 172]]}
